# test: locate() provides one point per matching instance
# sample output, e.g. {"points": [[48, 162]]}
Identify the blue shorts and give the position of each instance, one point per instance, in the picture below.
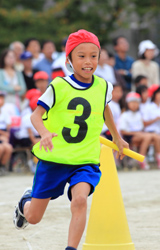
{"points": [[50, 179]]}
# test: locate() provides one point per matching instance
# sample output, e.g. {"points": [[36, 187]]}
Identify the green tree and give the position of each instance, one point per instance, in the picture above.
{"points": [[20, 20], [29, 4]]}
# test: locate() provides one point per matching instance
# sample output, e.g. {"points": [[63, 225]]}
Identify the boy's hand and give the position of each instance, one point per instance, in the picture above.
{"points": [[46, 141], [120, 144]]}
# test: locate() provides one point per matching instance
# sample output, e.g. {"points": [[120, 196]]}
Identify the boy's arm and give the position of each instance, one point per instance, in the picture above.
{"points": [[46, 136], [113, 130]]}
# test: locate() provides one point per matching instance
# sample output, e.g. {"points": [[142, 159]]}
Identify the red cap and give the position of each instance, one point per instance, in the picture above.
{"points": [[41, 75], [33, 102], [81, 36], [33, 92], [152, 89], [133, 96]]}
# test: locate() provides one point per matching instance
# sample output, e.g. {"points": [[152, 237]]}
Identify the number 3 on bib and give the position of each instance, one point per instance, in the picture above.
{"points": [[80, 120]]}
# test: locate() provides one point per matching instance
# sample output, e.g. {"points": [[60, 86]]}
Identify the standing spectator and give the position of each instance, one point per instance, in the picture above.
{"points": [[48, 48], [123, 62], [28, 72], [5, 147], [147, 51], [103, 69], [58, 66], [18, 49], [107, 71], [11, 81], [33, 46]]}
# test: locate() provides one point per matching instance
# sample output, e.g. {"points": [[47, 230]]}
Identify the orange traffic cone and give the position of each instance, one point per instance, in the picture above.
{"points": [[107, 226]]}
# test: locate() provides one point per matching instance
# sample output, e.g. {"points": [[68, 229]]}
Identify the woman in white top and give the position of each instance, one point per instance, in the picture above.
{"points": [[11, 81], [147, 51]]}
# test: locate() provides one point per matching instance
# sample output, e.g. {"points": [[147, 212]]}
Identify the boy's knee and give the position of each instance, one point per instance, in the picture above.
{"points": [[79, 202], [33, 219]]}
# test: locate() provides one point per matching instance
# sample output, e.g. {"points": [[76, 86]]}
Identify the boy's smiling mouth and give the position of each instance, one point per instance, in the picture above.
{"points": [[87, 69]]}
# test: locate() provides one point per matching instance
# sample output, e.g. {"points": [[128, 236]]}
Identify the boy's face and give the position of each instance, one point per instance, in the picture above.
{"points": [[85, 60]]}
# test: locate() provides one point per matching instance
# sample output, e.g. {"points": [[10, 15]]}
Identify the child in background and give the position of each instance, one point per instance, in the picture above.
{"points": [[149, 118], [140, 80], [70, 116], [5, 146], [154, 93], [41, 80], [131, 127], [114, 105], [27, 135]]}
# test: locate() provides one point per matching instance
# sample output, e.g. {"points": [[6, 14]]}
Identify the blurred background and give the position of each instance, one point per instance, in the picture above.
{"points": [[55, 19]]}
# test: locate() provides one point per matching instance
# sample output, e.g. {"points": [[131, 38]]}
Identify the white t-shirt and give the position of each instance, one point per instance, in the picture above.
{"points": [[5, 119], [131, 121], [60, 63], [150, 111], [116, 112], [25, 125], [48, 96], [106, 72]]}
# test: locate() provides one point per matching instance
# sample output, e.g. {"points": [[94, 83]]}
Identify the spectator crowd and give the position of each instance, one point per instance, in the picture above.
{"points": [[27, 68]]}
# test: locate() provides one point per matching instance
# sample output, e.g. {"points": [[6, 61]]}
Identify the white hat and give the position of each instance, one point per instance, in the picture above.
{"points": [[147, 44], [133, 96]]}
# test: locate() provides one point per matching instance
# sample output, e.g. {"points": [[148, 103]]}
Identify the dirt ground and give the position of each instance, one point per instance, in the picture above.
{"points": [[141, 196]]}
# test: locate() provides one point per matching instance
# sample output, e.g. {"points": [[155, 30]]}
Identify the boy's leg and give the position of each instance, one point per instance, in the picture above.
{"points": [[33, 210], [7, 153], [79, 193], [29, 210]]}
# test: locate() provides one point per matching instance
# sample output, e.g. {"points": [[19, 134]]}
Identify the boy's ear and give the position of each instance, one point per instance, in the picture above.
{"points": [[67, 60]]}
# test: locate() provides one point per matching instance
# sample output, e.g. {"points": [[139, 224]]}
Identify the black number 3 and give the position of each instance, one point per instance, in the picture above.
{"points": [[80, 120]]}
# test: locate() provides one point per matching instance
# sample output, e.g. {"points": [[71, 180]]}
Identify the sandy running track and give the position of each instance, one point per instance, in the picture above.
{"points": [[141, 195]]}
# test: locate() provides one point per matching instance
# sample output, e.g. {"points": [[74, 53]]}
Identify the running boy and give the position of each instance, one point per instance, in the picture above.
{"points": [[70, 116]]}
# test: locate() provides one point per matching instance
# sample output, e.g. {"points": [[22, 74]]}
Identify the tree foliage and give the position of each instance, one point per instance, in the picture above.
{"points": [[20, 20]]}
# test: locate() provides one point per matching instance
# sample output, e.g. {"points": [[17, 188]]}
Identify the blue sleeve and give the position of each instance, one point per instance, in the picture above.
{"points": [[45, 106]]}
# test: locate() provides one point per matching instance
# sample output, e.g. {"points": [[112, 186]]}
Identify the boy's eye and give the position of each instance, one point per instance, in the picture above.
{"points": [[81, 56]]}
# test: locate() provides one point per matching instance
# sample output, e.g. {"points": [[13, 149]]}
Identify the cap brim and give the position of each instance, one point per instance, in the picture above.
{"points": [[69, 68]]}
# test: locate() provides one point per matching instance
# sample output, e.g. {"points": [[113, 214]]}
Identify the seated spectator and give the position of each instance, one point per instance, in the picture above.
{"points": [[26, 135], [28, 72], [117, 94], [18, 49], [11, 81], [131, 127], [58, 66], [140, 80], [5, 146], [150, 119], [48, 48], [123, 62], [41, 81], [153, 124], [147, 51]]}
